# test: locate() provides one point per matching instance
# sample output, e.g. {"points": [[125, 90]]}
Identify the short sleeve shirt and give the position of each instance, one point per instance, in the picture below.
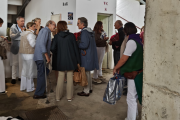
{"points": [[131, 47]]}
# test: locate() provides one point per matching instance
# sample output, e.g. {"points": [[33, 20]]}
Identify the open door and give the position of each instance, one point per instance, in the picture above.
{"points": [[107, 20]]}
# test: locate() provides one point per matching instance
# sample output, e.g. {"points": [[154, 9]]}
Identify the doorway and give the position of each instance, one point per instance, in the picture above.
{"points": [[107, 20]]}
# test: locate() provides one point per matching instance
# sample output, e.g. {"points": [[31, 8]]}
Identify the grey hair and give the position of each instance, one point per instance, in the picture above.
{"points": [[84, 21], [119, 22], [18, 18], [49, 22]]}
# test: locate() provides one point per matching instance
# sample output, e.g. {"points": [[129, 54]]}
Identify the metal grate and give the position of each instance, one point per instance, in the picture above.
{"points": [[50, 113]]}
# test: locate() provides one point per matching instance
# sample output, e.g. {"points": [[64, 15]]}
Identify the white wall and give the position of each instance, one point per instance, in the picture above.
{"points": [[80, 8], [90, 9], [132, 11], [15, 2], [43, 9], [3, 15], [12, 10]]}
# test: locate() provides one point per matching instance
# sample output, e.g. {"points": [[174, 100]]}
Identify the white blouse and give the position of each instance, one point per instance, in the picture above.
{"points": [[31, 38], [130, 48]]}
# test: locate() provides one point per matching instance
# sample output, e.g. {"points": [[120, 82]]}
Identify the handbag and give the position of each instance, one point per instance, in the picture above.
{"points": [[132, 75], [80, 76], [3, 52], [77, 76], [114, 89]]}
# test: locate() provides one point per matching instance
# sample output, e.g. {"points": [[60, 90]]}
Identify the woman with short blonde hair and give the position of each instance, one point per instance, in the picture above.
{"points": [[27, 46], [37, 21]]}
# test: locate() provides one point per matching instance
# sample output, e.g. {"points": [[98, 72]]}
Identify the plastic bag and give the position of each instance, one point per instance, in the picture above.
{"points": [[114, 89]]}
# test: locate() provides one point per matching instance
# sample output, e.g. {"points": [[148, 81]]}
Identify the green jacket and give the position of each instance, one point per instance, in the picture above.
{"points": [[135, 63]]}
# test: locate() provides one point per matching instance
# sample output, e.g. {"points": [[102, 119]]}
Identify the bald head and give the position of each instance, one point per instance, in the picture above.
{"points": [[118, 24]]}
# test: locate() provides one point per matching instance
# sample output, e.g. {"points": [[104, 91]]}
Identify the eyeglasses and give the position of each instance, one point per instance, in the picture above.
{"points": [[54, 24]]}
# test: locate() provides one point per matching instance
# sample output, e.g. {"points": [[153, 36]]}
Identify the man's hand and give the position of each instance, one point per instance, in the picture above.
{"points": [[47, 58]]}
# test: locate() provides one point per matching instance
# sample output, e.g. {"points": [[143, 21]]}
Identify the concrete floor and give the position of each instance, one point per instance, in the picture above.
{"points": [[16, 103]]}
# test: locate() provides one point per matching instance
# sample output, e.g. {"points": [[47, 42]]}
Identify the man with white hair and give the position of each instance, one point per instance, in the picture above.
{"points": [[117, 44], [42, 48], [15, 32]]}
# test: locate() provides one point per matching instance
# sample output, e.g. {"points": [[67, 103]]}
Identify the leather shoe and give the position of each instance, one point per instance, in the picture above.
{"points": [[90, 91], [83, 94], [39, 97], [13, 81]]}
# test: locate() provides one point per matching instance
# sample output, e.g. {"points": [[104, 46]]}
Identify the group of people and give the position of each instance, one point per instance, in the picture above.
{"points": [[32, 46]]}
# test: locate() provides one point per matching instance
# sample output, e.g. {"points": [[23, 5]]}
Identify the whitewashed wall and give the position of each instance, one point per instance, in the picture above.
{"points": [[3, 15], [43, 9], [132, 11], [80, 8], [90, 9]]}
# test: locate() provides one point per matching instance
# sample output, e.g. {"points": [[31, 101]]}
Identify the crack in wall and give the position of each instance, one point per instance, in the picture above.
{"points": [[164, 89]]}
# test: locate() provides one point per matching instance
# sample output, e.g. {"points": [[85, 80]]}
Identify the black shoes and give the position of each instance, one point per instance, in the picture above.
{"points": [[39, 97], [3, 92], [13, 81], [90, 91], [83, 94], [125, 91]]}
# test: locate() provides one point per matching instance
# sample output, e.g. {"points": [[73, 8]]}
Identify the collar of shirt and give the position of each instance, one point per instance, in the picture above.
{"points": [[48, 29], [120, 28], [19, 28], [32, 31]]}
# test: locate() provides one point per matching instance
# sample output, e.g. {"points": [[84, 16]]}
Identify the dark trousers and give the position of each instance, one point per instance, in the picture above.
{"points": [[41, 82], [116, 57]]}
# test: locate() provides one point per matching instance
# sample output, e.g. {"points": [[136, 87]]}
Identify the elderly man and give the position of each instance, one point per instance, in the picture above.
{"points": [[43, 44], [89, 58], [15, 32], [117, 44]]}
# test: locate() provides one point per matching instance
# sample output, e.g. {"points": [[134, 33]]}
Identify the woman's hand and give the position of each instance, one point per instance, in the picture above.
{"points": [[4, 38], [115, 70], [106, 38]]}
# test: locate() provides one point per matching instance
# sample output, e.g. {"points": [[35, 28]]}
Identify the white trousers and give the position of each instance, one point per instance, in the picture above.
{"points": [[89, 86], [2, 76], [100, 52], [16, 67], [132, 100], [27, 74]]}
